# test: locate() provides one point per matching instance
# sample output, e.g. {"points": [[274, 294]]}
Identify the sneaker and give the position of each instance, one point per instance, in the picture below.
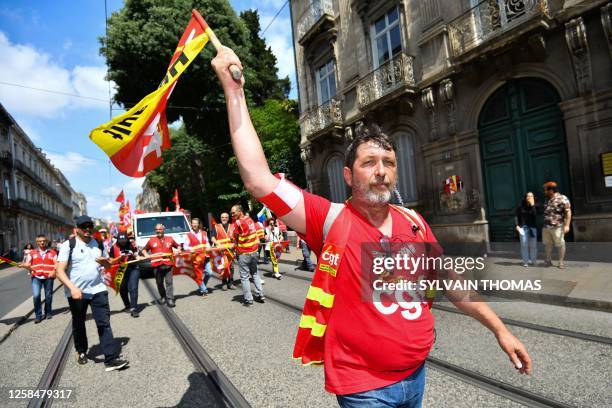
{"points": [[231, 287], [48, 316], [247, 303], [561, 265], [525, 265], [223, 288], [547, 263], [170, 303], [204, 295], [262, 281], [162, 301], [277, 276], [116, 364], [134, 313], [81, 358], [531, 263], [260, 299], [37, 320], [126, 309]]}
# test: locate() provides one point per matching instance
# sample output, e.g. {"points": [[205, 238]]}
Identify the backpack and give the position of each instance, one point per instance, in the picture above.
{"points": [[72, 244]]}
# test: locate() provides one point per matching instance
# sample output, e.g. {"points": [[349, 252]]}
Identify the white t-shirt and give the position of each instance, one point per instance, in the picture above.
{"points": [[274, 235], [83, 270]]}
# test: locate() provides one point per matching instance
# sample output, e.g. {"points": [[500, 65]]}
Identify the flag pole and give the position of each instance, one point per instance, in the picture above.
{"points": [[234, 70]]}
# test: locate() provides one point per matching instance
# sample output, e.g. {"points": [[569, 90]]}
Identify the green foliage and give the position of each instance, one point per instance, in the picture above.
{"points": [[265, 84], [141, 39]]}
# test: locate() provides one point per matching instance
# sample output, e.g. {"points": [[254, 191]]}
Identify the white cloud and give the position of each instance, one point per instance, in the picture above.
{"points": [[70, 162], [109, 206], [27, 66]]}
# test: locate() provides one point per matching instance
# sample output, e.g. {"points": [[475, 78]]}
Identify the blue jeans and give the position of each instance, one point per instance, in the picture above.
{"points": [[130, 285], [407, 393], [307, 263], [529, 244], [37, 285], [206, 277]]}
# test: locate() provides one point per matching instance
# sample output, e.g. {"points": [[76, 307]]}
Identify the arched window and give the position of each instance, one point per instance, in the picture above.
{"points": [[337, 187], [406, 174]]}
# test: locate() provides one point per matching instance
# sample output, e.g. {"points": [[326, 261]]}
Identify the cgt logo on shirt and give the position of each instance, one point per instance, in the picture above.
{"points": [[330, 257]]}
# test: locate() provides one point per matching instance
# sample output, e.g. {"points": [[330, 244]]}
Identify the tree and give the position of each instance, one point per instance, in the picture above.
{"points": [[265, 84], [141, 39]]}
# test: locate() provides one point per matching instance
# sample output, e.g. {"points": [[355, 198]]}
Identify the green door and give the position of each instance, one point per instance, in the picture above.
{"points": [[522, 144]]}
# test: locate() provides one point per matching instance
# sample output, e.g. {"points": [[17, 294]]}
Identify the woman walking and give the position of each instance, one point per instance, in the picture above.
{"points": [[527, 229]]}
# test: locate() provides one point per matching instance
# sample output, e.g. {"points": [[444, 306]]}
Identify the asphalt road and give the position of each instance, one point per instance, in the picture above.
{"points": [[252, 346], [15, 287]]}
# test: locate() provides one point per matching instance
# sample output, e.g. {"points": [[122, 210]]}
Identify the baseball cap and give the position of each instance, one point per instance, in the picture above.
{"points": [[83, 219]]}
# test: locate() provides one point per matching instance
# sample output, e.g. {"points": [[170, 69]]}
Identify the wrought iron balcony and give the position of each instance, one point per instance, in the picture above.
{"points": [[393, 77], [317, 12], [322, 118], [489, 19]]}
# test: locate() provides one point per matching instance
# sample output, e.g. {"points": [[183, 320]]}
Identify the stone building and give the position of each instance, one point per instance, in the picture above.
{"points": [[148, 199], [35, 196], [485, 100]]}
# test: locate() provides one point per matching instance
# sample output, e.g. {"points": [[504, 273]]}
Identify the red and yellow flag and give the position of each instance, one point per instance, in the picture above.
{"points": [[134, 140]]}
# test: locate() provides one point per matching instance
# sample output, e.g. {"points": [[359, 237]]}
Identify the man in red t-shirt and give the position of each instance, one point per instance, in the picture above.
{"points": [[162, 250], [245, 235], [368, 345]]}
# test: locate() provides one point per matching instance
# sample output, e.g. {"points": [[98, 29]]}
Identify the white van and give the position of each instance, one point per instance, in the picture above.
{"points": [[176, 223]]}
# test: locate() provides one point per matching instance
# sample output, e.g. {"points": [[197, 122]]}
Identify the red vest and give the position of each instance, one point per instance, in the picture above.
{"points": [[158, 247], [42, 265], [199, 242], [248, 236]]}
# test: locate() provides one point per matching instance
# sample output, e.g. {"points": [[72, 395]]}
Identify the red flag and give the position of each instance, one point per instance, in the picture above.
{"points": [[134, 141], [120, 198], [175, 200]]}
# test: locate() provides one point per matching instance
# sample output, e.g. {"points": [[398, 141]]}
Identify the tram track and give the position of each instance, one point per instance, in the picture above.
{"points": [[470, 377], [50, 378], [224, 390]]}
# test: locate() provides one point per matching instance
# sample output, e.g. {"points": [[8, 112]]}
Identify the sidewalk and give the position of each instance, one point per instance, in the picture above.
{"points": [[580, 284]]}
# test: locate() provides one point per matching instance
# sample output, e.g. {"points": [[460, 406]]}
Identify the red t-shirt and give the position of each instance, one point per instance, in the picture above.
{"points": [[368, 345], [157, 246]]}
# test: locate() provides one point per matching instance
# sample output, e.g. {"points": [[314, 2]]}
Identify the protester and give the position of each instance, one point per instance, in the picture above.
{"points": [[197, 244], [162, 249], [365, 346], [273, 236], [26, 252], [246, 238], [41, 264], [220, 237], [527, 229], [557, 221], [124, 250], [283, 228], [78, 268], [306, 262]]}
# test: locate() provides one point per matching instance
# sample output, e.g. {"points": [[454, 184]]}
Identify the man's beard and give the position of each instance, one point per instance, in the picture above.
{"points": [[372, 197]]}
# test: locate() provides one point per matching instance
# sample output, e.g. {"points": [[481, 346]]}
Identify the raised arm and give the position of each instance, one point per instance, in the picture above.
{"points": [[252, 164]]}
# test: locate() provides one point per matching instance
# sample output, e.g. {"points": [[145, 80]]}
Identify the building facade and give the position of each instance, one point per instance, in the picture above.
{"points": [[148, 200], [79, 204], [36, 196], [485, 100]]}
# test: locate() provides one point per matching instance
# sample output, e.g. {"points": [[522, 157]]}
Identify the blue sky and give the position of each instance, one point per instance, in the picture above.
{"points": [[53, 45]]}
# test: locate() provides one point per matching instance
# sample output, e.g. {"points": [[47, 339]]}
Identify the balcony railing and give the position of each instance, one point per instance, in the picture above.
{"points": [[322, 117], [489, 19], [34, 208], [393, 75], [315, 11]]}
